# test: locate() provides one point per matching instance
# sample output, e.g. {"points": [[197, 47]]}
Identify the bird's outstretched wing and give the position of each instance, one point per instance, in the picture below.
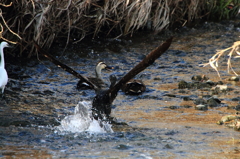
{"points": [[65, 67]]}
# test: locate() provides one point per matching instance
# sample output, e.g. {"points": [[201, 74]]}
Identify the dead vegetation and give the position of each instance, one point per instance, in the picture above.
{"points": [[233, 52], [45, 21]]}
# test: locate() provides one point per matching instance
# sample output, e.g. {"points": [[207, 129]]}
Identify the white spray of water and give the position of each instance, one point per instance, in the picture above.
{"points": [[82, 121]]}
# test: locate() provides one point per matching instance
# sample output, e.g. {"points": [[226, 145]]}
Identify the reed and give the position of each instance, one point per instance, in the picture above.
{"points": [[46, 21], [232, 52]]}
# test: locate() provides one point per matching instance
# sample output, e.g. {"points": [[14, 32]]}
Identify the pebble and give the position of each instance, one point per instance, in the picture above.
{"points": [[218, 88], [201, 107], [234, 78], [213, 102], [199, 78], [200, 101], [182, 85]]}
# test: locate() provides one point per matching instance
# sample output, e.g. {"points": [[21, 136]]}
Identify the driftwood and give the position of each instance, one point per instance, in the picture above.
{"points": [[103, 100]]}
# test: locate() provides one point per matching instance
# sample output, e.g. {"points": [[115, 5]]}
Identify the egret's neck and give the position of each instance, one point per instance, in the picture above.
{"points": [[2, 64], [98, 72]]}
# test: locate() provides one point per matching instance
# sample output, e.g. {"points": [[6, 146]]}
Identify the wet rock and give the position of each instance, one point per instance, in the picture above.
{"points": [[236, 99], [168, 147], [237, 107], [234, 78], [213, 102], [234, 124], [201, 107], [170, 95], [219, 83], [187, 106], [219, 89], [199, 78], [196, 85], [157, 78], [182, 85], [200, 101], [227, 118], [186, 98], [174, 107], [210, 83]]}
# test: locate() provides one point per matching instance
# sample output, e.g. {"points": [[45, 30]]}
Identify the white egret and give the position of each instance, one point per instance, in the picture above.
{"points": [[3, 72]]}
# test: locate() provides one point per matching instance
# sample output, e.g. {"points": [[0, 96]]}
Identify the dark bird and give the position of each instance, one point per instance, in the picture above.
{"points": [[98, 80], [102, 102], [134, 87], [101, 105], [113, 80]]}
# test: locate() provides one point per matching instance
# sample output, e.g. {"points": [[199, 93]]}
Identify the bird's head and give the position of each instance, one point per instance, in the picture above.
{"points": [[102, 65], [5, 44]]}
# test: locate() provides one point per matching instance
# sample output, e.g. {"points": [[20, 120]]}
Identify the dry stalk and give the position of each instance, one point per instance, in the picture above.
{"points": [[233, 52], [2, 28], [6, 5], [46, 21]]}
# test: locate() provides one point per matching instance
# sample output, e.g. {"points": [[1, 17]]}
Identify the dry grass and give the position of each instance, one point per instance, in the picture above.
{"points": [[232, 53], [44, 21]]}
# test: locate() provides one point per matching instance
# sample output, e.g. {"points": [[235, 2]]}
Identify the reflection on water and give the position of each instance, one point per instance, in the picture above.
{"points": [[41, 115]]}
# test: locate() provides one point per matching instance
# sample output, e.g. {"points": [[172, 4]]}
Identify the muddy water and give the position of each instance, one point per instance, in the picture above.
{"points": [[39, 95]]}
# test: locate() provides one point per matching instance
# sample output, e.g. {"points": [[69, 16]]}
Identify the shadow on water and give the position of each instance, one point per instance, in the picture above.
{"points": [[162, 122]]}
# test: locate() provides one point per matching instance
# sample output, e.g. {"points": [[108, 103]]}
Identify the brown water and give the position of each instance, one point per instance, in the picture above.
{"points": [[39, 95]]}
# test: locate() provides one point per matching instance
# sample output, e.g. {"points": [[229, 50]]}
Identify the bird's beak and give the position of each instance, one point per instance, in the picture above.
{"points": [[109, 68], [10, 46]]}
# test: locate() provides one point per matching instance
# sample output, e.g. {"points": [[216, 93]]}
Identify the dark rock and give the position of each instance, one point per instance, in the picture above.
{"points": [[200, 101], [220, 83], [212, 102], [168, 147], [237, 107], [211, 83], [199, 78], [234, 78], [157, 78], [236, 99], [174, 107], [182, 85], [170, 95], [186, 98], [187, 106]]}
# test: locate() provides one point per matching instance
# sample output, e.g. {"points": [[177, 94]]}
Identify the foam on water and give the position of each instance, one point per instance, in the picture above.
{"points": [[82, 121]]}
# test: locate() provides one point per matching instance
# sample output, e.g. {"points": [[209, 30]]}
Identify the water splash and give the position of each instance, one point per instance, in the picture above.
{"points": [[82, 121]]}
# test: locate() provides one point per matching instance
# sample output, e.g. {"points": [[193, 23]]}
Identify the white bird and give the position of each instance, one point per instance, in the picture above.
{"points": [[3, 72]]}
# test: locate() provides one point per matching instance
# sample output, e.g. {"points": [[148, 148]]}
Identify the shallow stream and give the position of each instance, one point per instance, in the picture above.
{"points": [[160, 123]]}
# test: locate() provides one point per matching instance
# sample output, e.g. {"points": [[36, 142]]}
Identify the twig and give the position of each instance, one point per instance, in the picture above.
{"points": [[213, 61]]}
